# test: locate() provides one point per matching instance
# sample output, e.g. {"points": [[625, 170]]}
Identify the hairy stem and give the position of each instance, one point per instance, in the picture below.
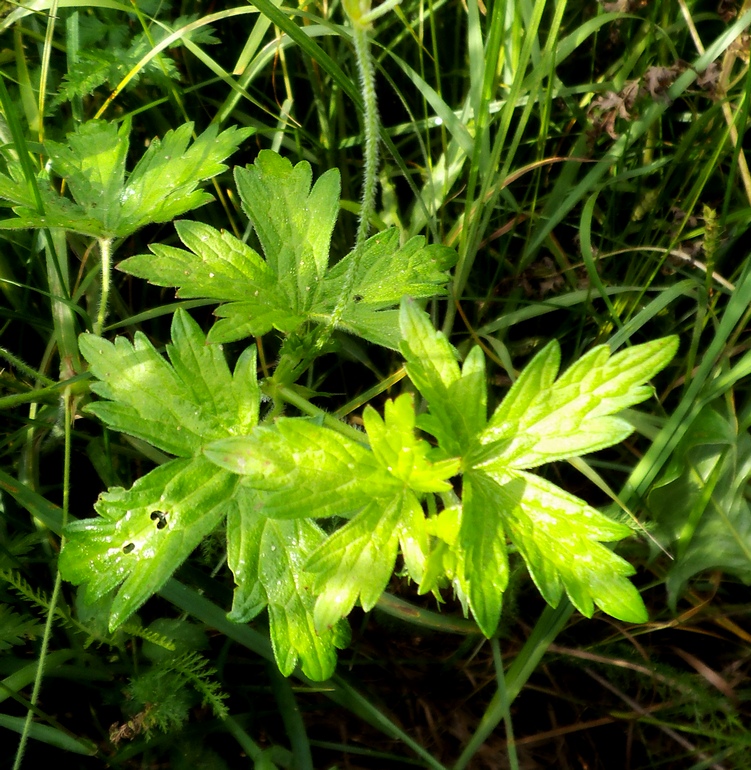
{"points": [[105, 249], [370, 173]]}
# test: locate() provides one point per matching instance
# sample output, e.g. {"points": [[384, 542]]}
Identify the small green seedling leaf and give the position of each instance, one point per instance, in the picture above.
{"points": [[143, 534], [180, 407]]}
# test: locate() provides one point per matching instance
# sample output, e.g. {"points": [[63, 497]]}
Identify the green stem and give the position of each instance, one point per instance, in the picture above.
{"points": [[549, 625], [22, 366], [513, 759], [53, 599], [105, 249], [370, 173], [285, 393], [48, 394]]}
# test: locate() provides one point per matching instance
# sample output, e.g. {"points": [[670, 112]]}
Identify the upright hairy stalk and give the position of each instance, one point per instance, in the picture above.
{"points": [[105, 249], [360, 23]]}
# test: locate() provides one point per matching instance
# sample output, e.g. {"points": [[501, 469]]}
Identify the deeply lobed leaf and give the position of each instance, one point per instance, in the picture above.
{"points": [[143, 534], [404, 456], [93, 166], [293, 284], [358, 559], [267, 557], [292, 221], [312, 471], [457, 397], [542, 419], [162, 186], [163, 183], [177, 408], [559, 535]]}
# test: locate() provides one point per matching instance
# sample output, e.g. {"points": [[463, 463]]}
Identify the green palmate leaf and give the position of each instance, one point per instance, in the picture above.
{"points": [[292, 285], [310, 471], [109, 203], [143, 534], [180, 407], [543, 419], [267, 557], [292, 221]]}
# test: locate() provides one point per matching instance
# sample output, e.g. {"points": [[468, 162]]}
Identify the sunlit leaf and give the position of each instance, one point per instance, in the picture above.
{"points": [[143, 534]]}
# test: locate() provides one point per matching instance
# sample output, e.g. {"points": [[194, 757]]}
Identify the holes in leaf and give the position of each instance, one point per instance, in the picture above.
{"points": [[160, 518], [128, 547], [357, 298]]}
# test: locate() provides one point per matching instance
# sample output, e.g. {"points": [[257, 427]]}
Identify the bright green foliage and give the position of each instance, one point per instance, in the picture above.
{"points": [[541, 419], [700, 501], [311, 471], [179, 407], [394, 444], [307, 470], [293, 222], [267, 557], [143, 534], [458, 400], [272, 480], [109, 203]]}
